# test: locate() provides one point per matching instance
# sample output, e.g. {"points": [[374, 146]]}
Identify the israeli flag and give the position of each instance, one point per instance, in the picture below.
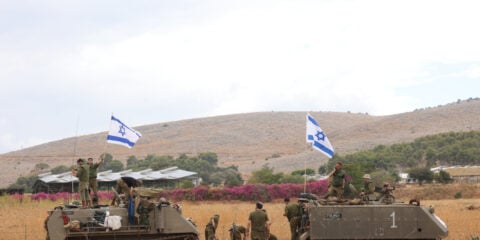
{"points": [[317, 137], [121, 134]]}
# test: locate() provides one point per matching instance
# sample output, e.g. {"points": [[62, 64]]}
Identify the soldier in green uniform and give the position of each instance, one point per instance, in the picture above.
{"points": [[81, 172], [258, 223], [144, 208], [292, 212], [238, 232], [337, 182], [92, 180], [211, 227], [367, 192]]}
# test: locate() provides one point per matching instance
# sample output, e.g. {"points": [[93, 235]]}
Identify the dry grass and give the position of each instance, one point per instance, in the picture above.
{"points": [[24, 220]]}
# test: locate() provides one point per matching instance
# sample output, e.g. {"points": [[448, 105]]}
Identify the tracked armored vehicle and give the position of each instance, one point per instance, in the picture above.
{"points": [[158, 221], [367, 219]]}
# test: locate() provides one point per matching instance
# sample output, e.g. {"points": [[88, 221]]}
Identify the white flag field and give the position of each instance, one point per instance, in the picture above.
{"points": [[318, 138], [122, 134]]}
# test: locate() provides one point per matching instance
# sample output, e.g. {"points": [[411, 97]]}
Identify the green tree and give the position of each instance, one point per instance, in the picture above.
{"points": [[301, 172], [421, 174], [131, 161], [60, 169], [442, 177], [115, 166], [25, 182], [265, 175], [209, 157], [232, 178], [286, 178], [186, 184], [323, 170], [41, 166], [161, 162]]}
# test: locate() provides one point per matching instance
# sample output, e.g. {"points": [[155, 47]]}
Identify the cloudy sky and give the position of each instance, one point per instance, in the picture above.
{"points": [[66, 66]]}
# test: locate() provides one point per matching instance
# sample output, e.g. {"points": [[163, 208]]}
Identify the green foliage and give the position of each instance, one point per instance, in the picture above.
{"points": [[115, 166], [301, 172], [458, 195], [292, 179], [131, 160], [25, 182], [59, 169], [381, 176], [41, 166], [205, 164], [266, 176], [232, 177], [442, 177], [322, 170], [209, 157], [186, 184], [421, 174], [452, 148]]}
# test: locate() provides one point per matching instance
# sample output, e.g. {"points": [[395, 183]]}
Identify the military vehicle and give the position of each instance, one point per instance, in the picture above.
{"points": [[370, 219], [156, 221]]}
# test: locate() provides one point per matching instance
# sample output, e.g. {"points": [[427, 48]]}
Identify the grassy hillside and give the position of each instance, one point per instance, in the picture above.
{"points": [[253, 139]]}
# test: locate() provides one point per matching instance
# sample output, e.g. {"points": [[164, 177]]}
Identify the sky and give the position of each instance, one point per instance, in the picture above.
{"points": [[67, 66]]}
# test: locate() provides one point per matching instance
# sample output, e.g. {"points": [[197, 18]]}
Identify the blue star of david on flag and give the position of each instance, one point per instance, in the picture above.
{"points": [[318, 138], [121, 134]]}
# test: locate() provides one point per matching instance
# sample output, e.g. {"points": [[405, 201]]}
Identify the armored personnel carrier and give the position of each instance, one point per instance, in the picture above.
{"points": [[366, 219], [155, 221]]}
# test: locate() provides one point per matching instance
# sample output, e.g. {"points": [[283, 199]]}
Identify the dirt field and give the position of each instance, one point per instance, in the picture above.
{"points": [[24, 220]]}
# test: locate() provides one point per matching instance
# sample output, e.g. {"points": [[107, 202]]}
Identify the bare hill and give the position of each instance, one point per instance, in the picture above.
{"points": [[253, 139]]}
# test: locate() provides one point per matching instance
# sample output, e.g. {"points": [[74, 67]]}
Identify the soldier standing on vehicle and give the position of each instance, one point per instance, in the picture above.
{"points": [[81, 172], [211, 228], [258, 223], [337, 182], [93, 184], [292, 212]]}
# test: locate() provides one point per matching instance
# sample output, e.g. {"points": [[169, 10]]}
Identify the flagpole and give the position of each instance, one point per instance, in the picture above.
{"points": [[74, 154], [305, 176]]}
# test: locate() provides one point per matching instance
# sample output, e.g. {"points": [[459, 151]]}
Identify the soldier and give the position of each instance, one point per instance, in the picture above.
{"points": [[337, 182], [126, 185], [81, 172], [368, 188], [211, 228], [144, 208], [304, 219], [292, 212], [93, 184], [258, 223], [238, 232]]}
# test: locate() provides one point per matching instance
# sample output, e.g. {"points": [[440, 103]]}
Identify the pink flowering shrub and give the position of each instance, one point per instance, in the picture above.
{"points": [[248, 192]]}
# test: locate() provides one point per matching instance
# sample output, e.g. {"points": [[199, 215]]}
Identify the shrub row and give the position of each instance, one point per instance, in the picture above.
{"points": [[249, 192]]}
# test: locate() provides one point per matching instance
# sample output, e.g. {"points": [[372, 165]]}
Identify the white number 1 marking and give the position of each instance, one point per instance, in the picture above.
{"points": [[393, 220]]}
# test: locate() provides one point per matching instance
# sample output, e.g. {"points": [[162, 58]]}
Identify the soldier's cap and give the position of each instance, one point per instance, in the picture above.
{"points": [[259, 205], [367, 176]]}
